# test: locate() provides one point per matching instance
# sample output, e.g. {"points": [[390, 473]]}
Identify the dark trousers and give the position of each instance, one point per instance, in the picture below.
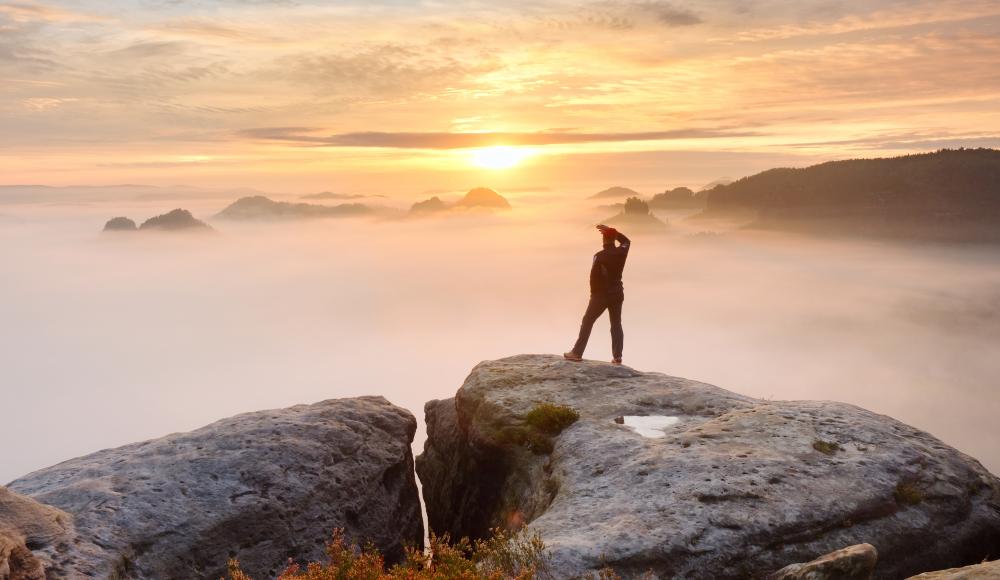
{"points": [[598, 304]]}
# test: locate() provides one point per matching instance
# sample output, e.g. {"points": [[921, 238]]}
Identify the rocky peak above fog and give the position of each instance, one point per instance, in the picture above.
{"points": [[120, 224], [479, 198], [732, 486], [259, 207], [635, 215], [616, 192], [483, 197], [178, 219], [173, 221]]}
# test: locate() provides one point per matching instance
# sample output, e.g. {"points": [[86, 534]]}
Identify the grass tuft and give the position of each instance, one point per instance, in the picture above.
{"points": [[551, 419], [907, 493], [826, 447]]}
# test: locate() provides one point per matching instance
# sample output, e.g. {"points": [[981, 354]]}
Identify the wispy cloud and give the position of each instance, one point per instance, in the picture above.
{"points": [[399, 81], [840, 20], [445, 140], [910, 141], [32, 12], [386, 69], [624, 15], [668, 14]]}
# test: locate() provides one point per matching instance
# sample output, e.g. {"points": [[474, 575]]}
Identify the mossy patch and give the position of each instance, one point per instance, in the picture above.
{"points": [[826, 447], [551, 419], [908, 493], [540, 425]]}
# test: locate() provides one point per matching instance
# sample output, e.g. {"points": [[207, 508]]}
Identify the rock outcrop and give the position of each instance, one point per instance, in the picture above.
{"points": [[678, 198], [120, 224], [850, 563], [483, 197], [478, 199], [984, 571], [858, 563], [172, 221], [635, 216], [258, 207], [175, 220], [429, 205], [616, 192], [735, 487], [261, 487]]}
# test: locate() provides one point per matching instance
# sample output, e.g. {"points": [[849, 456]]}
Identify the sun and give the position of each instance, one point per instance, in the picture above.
{"points": [[499, 157]]}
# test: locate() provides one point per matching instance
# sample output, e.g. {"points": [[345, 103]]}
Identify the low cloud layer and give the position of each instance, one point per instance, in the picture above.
{"points": [[114, 339]]}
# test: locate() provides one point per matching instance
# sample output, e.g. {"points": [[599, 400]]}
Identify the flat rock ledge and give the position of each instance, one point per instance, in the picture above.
{"points": [[984, 571], [850, 563], [736, 487], [858, 563], [261, 487]]}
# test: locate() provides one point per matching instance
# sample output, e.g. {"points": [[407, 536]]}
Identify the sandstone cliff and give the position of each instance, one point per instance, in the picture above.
{"points": [[262, 487], [731, 487]]}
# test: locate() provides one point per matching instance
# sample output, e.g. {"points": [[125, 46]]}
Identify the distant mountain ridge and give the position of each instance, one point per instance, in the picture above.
{"points": [[616, 192], [338, 196], [678, 198], [259, 207], [952, 194], [483, 197], [476, 198], [172, 221]]}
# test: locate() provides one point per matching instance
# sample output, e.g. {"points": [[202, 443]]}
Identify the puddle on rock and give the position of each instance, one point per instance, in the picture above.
{"points": [[648, 425]]}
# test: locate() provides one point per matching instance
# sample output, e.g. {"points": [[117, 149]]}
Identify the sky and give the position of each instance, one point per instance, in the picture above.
{"points": [[400, 96]]}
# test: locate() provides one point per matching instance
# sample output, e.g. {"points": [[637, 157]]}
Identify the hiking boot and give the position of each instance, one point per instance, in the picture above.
{"points": [[616, 361], [572, 356]]}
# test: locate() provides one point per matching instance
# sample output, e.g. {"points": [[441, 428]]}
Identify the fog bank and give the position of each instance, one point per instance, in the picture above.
{"points": [[110, 339]]}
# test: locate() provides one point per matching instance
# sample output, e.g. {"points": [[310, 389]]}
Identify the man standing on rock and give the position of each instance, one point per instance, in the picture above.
{"points": [[606, 293]]}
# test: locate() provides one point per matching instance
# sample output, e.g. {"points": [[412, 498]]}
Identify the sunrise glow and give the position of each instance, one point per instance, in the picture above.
{"points": [[281, 95], [499, 157]]}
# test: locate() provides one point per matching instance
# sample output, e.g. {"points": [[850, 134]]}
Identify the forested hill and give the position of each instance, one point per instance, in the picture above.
{"points": [[952, 194]]}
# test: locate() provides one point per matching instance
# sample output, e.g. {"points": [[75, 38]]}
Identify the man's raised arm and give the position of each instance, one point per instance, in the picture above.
{"points": [[622, 240]]}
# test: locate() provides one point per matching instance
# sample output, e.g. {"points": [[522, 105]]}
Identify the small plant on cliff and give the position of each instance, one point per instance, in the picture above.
{"points": [[826, 447], [551, 419], [907, 493], [504, 556], [511, 554]]}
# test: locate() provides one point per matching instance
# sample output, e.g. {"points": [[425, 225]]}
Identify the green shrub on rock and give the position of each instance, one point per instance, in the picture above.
{"points": [[551, 419], [908, 493], [826, 447]]}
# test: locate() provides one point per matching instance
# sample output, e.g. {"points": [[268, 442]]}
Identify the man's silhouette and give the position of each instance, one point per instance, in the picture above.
{"points": [[606, 293]]}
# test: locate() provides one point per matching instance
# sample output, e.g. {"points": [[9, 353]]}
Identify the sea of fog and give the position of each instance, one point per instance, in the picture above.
{"points": [[111, 339]]}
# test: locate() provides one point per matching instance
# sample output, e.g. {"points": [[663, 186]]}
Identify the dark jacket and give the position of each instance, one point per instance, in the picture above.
{"points": [[606, 271]]}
